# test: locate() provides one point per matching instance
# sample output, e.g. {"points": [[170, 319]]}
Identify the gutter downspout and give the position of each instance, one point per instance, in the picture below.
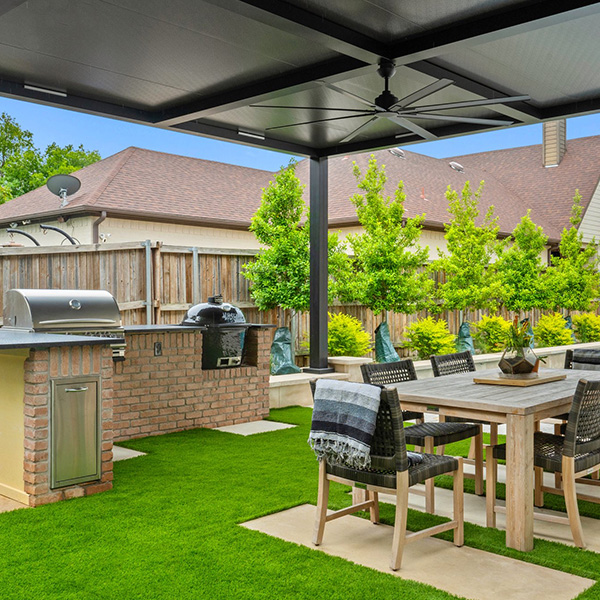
{"points": [[96, 226]]}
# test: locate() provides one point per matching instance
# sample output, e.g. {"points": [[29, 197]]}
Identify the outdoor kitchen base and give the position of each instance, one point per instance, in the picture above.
{"points": [[26, 418], [161, 386], [64, 400]]}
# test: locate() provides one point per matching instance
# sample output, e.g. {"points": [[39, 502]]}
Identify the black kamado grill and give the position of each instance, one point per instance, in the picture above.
{"points": [[224, 332]]}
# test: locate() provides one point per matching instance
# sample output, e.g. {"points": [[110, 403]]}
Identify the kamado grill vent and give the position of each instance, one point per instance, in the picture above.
{"points": [[225, 329], [75, 312]]}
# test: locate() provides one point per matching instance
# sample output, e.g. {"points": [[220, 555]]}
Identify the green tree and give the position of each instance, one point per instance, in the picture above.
{"points": [[471, 280], [14, 141], [280, 275], [24, 168], [389, 264], [521, 270], [573, 278]]}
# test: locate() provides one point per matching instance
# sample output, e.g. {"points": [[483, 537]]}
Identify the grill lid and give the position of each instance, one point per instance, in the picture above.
{"points": [[214, 312], [48, 310]]}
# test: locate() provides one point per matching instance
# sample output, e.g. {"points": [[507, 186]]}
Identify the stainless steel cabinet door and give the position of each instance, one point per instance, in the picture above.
{"points": [[75, 431]]}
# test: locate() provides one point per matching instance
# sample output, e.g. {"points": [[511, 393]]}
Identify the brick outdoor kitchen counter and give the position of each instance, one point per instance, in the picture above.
{"points": [[159, 388]]}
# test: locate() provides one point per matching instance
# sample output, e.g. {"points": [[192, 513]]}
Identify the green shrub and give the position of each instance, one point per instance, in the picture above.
{"points": [[490, 334], [347, 336], [587, 327], [551, 331], [427, 337]]}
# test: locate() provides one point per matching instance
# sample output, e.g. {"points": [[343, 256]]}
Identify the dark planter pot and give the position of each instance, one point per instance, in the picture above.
{"points": [[513, 363]]}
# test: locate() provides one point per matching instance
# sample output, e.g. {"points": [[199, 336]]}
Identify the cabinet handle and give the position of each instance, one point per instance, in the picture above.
{"points": [[79, 389]]}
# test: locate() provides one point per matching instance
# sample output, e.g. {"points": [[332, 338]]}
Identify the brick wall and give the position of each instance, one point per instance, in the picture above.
{"points": [[162, 394], [40, 368]]}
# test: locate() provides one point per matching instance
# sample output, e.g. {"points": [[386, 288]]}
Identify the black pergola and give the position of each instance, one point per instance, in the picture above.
{"points": [[202, 66]]}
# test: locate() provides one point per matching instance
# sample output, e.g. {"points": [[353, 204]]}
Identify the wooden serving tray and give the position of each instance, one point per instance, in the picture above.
{"points": [[517, 380]]}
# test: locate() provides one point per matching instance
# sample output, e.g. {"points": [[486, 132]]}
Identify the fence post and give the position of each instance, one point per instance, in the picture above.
{"points": [[148, 303], [196, 299], [157, 268]]}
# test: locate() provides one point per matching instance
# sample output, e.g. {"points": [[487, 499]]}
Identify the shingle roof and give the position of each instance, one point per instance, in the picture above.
{"points": [[166, 187], [155, 183], [549, 191]]}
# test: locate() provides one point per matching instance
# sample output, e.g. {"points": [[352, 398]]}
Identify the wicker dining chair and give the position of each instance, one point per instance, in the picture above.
{"points": [[391, 471], [574, 455], [427, 436], [586, 358], [462, 362]]}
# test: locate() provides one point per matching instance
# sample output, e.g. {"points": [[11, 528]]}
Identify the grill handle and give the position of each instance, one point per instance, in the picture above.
{"points": [[77, 389], [79, 321]]}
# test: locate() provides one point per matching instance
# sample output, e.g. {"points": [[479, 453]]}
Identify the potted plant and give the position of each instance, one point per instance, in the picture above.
{"points": [[518, 358]]}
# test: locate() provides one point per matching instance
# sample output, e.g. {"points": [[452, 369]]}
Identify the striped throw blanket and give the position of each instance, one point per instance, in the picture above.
{"points": [[343, 422]]}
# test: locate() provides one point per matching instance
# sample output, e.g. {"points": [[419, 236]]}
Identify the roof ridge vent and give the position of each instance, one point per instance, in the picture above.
{"points": [[397, 152], [456, 166]]}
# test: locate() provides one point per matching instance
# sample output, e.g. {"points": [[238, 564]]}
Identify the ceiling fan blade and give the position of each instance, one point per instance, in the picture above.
{"points": [[423, 92], [340, 90], [358, 110], [318, 121], [460, 119], [469, 103], [352, 135], [413, 127]]}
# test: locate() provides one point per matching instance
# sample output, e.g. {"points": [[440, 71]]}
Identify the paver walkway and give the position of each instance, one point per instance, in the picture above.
{"points": [[432, 561]]}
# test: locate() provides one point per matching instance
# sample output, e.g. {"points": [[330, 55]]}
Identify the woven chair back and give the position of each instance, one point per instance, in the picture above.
{"points": [[583, 427], [450, 364], [587, 358], [383, 374], [388, 447]]}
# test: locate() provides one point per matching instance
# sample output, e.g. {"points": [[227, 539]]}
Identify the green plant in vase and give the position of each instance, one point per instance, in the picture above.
{"points": [[518, 357]]}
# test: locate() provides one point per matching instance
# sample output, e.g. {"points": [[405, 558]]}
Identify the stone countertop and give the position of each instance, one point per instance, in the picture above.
{"points": [[12, 339], [160, 328], [179, 327]]}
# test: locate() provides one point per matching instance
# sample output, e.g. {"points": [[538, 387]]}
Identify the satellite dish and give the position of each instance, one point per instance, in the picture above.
{"points": [[63, 186]]}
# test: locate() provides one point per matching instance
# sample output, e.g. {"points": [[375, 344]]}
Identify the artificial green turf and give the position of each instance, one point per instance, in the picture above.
{"points": [[169, 529]]}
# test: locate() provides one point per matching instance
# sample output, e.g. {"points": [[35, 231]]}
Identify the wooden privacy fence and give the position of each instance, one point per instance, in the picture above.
{"points": [[154, 283]]}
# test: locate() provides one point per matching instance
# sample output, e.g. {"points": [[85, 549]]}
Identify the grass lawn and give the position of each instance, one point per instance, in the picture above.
{"points": [[169, 529]]}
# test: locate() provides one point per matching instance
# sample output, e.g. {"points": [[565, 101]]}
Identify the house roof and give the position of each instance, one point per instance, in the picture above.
{"points": [[145, 184], [154, 185]]}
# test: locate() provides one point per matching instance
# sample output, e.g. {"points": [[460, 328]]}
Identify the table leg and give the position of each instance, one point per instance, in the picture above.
{"points": [[519, 482]]}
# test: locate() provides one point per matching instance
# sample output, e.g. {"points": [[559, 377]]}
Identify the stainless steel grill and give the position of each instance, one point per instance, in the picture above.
{"points": [[75, 312]]}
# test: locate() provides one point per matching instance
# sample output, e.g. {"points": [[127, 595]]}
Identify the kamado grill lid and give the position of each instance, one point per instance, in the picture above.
{"points": [[214, 312]]}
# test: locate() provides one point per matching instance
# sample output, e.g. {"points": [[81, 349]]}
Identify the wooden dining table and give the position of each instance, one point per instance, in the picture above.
{"points": [[520, 408]]}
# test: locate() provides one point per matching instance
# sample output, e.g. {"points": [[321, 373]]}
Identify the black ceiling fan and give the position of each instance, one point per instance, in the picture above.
{"points": [[401, 112]]}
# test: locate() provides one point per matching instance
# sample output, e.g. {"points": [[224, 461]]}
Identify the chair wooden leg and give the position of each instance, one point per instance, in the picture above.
{"points": [[322, 498], [472, 449], [458, 504], [401, 518], [595, 475], [374, 510], [493, 434], [429, 483], [539, 481], [359, 495], [491, 474], [478, 442], [568, 464]]}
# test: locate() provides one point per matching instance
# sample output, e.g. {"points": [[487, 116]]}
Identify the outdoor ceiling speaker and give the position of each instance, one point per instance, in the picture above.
{"points": [[63, 186]]}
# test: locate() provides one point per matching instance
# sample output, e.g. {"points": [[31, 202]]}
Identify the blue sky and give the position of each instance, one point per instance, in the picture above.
{"points": [[109, 136]]}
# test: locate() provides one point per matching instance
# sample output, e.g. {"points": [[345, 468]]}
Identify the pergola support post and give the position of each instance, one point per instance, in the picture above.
{"points": [[318, 266]]}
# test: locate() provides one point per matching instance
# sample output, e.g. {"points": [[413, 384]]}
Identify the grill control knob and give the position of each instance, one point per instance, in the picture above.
{"points": [[75, 304]]}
